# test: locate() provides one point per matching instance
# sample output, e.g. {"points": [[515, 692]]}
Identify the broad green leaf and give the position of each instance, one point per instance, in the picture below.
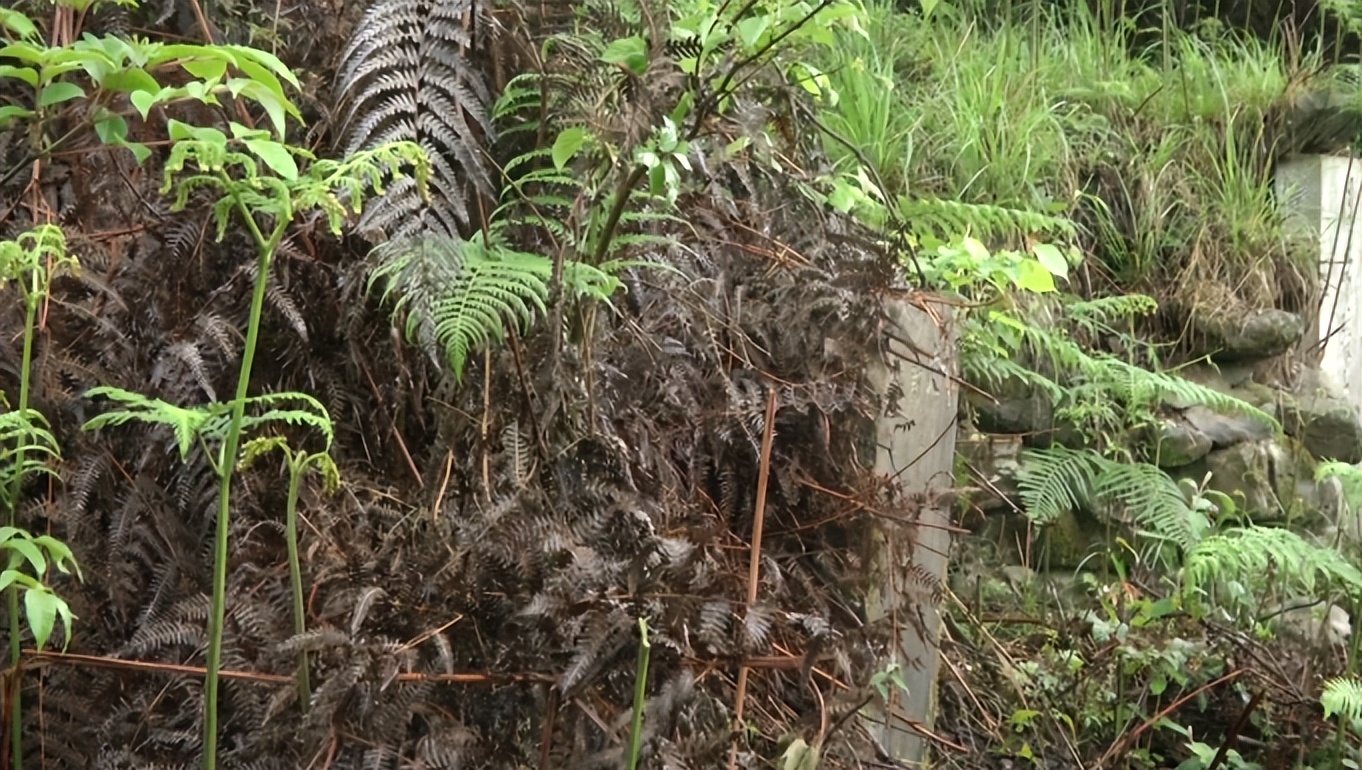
{"points": [[111, 128], [266, 79], [17, 23], [179, 52], [139, 151], [751, 29], [245, 132], [247, 57], [657, 179], [975, 248], [143, 101], [24, 52], [275, 105], [276, 156], [11, 577], [1032, 277], [26, 74], [205, 69], [130, 79], [13, 112], [1051, 259], [41, 608], [842, 198], [56, 93], [631, 53], [567, 144], [1158, 684], [59, 553], [180, 131], [24, 549]]}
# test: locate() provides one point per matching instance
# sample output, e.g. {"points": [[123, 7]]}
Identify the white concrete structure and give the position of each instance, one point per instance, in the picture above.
{"points": [[1320, 195], [915, 451]]}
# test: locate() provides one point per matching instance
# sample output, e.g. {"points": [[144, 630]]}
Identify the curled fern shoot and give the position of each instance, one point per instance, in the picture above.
{"points": [[297, 462]]}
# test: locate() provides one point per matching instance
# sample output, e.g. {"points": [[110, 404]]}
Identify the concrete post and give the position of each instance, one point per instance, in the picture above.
{"points": [[1319, 196], [915, 452]]}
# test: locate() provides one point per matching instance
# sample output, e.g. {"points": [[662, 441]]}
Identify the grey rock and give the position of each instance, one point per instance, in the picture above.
{"points": [[1261, 335], [1019, 409], [991, 464], [1225, 430], [1323, 500], [1257, 475], [1328, 426], [1178, 443]]}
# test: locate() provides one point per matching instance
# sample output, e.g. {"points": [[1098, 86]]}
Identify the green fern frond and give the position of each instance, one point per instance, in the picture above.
{"points": [[1056, 481], [460, 295], [24, 434], [1342, 696], [1092, 375], [1154, 500], [1258, 551], [944, 219], [296, 417], [187, 423], [1168, 386], [314, 415], [208, 421]]}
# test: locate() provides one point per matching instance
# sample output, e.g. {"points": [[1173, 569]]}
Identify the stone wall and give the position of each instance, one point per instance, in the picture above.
{"points": [[1269, 475]]}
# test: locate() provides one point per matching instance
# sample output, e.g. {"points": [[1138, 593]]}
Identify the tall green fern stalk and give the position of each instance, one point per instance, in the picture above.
{"points": [[29, 262], [258, 179]]}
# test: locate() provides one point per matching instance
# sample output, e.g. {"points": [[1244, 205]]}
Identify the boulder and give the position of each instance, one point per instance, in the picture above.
{"points": [[987, 476], [1020, 408], [1067, 542], [1226, 429], [1259, 476], [1319, 417], [1178, 443], [1260, 335]]}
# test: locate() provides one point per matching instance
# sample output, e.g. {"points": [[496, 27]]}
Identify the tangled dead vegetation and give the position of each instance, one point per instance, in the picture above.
{"points": [[474, 587]]}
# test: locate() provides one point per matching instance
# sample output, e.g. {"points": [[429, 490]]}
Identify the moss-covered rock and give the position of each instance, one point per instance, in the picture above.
{"points": [[1318, 415], [1178, 443], [1260, 335], [1259, 476]]}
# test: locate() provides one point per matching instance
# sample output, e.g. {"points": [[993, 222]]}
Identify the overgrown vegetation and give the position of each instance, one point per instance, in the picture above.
{"points": [[571, 305], [1147, 143]]}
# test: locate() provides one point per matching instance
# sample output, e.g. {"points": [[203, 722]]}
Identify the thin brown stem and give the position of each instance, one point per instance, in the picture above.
{"points": [[754, 562]]}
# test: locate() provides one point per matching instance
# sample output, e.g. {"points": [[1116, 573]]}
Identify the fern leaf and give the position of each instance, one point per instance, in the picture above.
{"points": [[1154, 500], [187, 423], [1257, 551], [1343, 697], [1056, 481], [407, 75], [459, 295]]}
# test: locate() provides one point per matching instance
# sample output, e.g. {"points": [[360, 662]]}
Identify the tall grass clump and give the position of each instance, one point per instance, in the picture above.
{"points": [[1160, 140]]}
